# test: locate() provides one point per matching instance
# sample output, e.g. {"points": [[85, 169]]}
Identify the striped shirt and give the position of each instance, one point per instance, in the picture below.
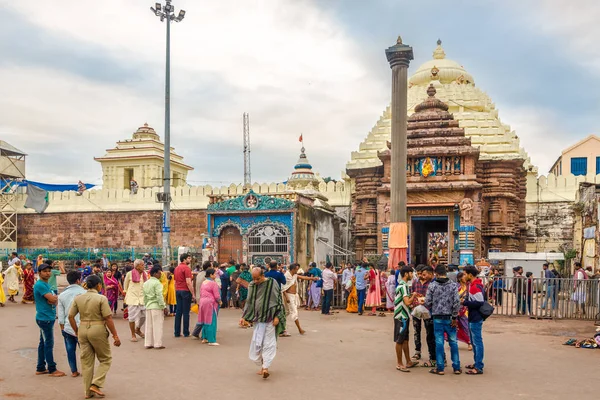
{"points": [[401, 310]]}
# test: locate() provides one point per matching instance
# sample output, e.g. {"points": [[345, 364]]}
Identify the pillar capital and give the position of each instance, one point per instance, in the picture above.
{"points": [[399, 54]]}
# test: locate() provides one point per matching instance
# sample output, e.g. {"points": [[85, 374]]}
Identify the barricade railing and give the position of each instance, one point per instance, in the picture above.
{"points": [[544, 297]]}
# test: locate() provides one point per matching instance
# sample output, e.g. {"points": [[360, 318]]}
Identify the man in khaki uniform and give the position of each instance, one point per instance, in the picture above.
{"points": [[96, 316]]}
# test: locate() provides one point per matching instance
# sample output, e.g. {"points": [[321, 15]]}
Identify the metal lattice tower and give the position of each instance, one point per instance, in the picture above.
{"points": [[247, 175], [12, 169]]}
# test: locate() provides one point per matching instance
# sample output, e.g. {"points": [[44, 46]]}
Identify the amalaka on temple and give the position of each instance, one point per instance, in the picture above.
{"points": [[466, 176]]}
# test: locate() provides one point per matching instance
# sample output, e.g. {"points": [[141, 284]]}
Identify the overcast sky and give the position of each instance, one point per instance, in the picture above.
{"points": [[80, 75]]}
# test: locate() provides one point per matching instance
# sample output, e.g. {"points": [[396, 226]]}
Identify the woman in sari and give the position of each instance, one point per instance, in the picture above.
{"points": [[390, 290], [243, 281], [171, 299], [374, 294], [352, 302], [111, 285], [463, 317], [2, 295], [210, 300], [39, 261], [28, 282], [12, 276]]}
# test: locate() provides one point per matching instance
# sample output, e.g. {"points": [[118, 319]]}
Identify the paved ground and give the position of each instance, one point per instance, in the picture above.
{"points": [[341, 357]]}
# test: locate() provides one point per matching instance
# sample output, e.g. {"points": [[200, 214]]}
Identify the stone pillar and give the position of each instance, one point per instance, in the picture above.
{"points": [[399, 57]]}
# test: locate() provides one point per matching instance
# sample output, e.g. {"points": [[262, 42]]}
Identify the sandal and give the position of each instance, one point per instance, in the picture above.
{"points": [[417, 356], [95, 390], [435, 371], [470, 366], [474, 372], [415, 364], [570, 342], [402, 369], [429, 364], [457, 371]]}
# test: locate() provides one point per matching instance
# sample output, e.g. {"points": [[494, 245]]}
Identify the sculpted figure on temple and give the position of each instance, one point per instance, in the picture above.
{"points": [[386, 213], [466, 212]]}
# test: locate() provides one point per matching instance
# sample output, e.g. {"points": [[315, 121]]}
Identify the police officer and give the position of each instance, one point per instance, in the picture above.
{"points": [[96, 317]]}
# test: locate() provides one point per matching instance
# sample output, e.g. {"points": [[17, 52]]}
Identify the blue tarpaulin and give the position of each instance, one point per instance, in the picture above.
{"points": [[50, 187]]}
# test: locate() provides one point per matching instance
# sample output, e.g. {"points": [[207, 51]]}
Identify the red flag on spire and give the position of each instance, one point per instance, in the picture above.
{"points": [[300, 138]]}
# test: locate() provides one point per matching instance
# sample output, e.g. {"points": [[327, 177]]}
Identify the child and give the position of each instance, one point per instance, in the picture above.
{"points": [[171, 300]]}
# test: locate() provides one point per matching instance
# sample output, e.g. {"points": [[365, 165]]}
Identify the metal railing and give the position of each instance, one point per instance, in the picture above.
{"points": [[544, 297]]}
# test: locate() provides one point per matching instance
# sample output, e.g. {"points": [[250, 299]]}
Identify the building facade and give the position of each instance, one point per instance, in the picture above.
{"points": [[140, 158], [581, 159]]}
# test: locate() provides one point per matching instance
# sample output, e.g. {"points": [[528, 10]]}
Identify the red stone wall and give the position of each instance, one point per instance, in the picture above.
{"points": [[108, 229]]}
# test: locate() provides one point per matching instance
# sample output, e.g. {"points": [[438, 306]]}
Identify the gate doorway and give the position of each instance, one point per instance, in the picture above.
{"points": [[429, 239], [230, 245]]}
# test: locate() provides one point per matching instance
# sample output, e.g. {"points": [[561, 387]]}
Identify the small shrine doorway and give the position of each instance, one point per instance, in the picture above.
{"points": [[230, 245], [430, 239]]}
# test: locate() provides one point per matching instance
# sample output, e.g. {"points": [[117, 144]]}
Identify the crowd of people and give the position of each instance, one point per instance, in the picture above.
{"points": [[448, 304]]}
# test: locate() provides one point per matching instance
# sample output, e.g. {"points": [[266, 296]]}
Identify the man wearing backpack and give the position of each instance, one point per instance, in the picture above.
{"points": [[473, 302]]}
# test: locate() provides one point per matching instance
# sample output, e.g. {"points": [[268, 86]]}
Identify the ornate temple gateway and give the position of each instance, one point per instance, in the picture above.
{"points": [[292, 226], [459, 205]]}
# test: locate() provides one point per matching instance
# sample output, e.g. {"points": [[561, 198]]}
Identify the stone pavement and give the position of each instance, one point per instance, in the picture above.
{"points": [[341, 357]]}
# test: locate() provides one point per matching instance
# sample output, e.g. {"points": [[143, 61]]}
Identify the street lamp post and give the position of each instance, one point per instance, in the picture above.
{"points": [[167, 13]]}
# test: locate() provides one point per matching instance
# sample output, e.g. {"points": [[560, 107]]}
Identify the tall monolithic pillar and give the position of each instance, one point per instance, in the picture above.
{"points": [[399, 57]]}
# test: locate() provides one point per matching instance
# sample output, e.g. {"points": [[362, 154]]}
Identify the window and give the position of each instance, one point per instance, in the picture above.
{"points": [[268, 239], [560, 167], [597, 165], [579, 166], [308, 239], [128, 175]]}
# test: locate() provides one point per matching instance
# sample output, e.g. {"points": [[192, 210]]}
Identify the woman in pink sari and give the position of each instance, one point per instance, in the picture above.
{"points": [[111, 285], [463, 333], [210, 300], [374, 291]]}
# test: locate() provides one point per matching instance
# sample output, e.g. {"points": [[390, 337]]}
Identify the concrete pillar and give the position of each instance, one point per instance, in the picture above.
{"points": [[399, 57]]}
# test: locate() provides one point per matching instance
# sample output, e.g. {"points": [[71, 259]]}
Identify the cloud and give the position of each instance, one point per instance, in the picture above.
{"points": [[287, 63]]}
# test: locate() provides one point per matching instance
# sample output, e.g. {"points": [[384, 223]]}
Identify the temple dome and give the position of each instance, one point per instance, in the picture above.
{"points": [[440, 68], [145, 132], [303, 176], [470, 106]]}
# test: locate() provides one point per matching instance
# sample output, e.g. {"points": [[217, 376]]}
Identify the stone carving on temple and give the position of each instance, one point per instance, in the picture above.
{"points": [[466, 212]]}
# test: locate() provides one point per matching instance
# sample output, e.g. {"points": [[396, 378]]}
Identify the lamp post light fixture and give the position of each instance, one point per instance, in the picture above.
{"points": [[167, 13]]}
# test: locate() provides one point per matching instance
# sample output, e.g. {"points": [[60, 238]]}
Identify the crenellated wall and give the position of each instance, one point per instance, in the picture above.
{"points": [[184, 198], [549, 209]]}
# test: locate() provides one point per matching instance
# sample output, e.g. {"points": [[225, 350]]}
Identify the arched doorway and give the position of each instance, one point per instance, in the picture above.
{"points": [[230, 245]]}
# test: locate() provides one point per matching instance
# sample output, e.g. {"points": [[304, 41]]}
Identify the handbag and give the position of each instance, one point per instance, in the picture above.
{"points": [[486, 310]]}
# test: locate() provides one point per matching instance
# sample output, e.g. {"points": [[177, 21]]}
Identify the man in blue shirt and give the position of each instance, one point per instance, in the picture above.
{"points": [[65, 300], [274, 274], [45, 316], [361, 285]]}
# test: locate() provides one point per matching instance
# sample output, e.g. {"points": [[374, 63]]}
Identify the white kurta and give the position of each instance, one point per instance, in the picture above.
{"points": [[12, 280], [263, 346]]}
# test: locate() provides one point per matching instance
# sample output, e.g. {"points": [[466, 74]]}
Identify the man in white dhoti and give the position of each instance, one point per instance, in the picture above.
{"points": [[290, 295], [264, 307]]}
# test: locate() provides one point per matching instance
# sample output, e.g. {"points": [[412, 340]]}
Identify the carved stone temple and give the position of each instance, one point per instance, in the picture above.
{"points": [[452, 194]]}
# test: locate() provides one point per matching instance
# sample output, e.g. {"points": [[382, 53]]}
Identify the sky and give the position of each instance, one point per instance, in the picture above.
{"points": [[78, 76]]}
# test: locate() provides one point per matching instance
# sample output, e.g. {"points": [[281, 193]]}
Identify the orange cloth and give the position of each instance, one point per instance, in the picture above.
{"points": [[395, 256], [398, 238]]}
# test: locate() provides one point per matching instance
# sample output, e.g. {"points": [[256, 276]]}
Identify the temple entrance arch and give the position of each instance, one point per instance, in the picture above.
{"points": [[230, 245], [429, 239]]}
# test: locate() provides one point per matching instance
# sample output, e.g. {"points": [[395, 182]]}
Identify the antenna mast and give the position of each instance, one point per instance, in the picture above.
{"points": [[247, 176]]}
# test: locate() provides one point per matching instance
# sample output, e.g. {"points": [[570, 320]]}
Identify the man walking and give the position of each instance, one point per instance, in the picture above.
{"points": [[329, 280], [264, 308], [155, 309], [225, 283], [419, 287], [45, 316], [474, 301], [291, 297], [65, 300], [402, 303], [184, 292], [134, 298], [443, 301], [361, 285]]}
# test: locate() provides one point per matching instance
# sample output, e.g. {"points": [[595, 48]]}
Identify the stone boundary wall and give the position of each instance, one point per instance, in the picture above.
{"points": [[137, 229], [184, 198]]}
